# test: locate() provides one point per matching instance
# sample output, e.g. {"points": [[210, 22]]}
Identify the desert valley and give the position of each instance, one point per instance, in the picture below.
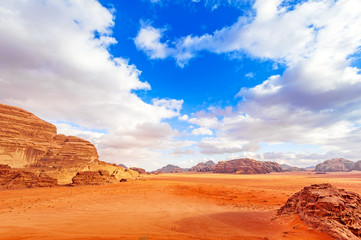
{"points": [[180, 119], [54, 187]]}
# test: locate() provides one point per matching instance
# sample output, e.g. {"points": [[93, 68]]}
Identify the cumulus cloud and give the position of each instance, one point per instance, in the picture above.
{"points": [[149, 40], [55, 63], [201, 131], [315, 101]]}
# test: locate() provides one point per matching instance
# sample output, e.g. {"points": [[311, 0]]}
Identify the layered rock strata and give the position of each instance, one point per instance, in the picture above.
{"points": [[28, 142]]}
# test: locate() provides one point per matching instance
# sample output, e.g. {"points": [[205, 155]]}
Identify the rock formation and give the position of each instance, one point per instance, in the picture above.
{"points": [[93, 178], [15, 179], [327, 209], [209, 166], [139, 170], [357, 166], [286, 167], [28, 142], [170, 169], [335, 165], [247, 166]]}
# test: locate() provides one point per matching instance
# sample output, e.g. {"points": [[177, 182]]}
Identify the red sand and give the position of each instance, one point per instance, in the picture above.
{"points": [[168, 206]]}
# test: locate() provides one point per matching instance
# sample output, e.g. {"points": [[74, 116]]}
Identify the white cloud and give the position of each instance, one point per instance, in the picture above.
{"points": [[55, 63], [148, 40], [315, 101], [201, 131], [184, 117]]}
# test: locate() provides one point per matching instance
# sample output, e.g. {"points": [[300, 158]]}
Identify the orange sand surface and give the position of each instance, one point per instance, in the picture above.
{"points": [[166, 206]]}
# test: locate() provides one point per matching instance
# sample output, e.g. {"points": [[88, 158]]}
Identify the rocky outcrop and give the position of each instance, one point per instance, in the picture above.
{"points": [[289, 168], [247, 166], [93, 178], [169, 169], [327, 209], [16, 179], [335, 165], [209, 166], [28, 142], [139, 170]]}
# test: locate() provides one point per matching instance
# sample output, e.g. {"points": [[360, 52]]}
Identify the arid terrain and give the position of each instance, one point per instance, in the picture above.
{"points": [[166, 206]]}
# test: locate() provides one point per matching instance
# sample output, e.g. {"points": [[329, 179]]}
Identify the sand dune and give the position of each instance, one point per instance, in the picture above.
{"points": [[167, 206]]}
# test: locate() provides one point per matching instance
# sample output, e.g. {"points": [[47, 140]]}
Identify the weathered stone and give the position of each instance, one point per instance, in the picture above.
{"points": [[327, 209], [209, 166], [335, 165], [93, 178], [29, 142], [247, 166], [16, 178]]}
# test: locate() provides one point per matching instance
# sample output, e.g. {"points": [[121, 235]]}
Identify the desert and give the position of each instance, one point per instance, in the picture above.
{"points": [[180, 119], [166, 206]]}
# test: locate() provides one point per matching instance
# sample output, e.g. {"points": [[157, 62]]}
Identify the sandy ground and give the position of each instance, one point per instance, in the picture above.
{"points": [[167, 206]]}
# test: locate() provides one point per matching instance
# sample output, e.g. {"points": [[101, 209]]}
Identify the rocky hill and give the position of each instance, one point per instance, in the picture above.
{"points": [[247, 166], [30, 143], [209, 166], [338, 165], [170, 169], [327, 209]]}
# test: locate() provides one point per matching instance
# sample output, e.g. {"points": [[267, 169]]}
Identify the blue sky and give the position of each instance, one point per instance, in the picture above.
{"points": [[152, 82]]}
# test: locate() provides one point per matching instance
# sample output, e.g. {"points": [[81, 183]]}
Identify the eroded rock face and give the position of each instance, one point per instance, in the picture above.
{"points": [[93, 178], [209, 166], [28, 142], [247, 166], [17, 179], [24, 138], [327, 209], [335, 165]]}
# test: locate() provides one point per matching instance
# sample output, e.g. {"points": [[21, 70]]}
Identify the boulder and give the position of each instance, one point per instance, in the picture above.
{"points": [[335, 165], [247, 166], [327, 209]]}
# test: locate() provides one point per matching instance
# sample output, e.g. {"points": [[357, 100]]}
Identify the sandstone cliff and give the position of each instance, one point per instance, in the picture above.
{"points": [[335, 165], [247, 166], [327, 209], [28, 142]]}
